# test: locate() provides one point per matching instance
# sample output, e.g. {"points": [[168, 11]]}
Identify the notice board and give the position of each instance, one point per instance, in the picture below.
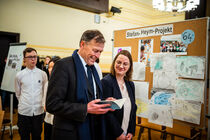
{"points": [[187, 41]]}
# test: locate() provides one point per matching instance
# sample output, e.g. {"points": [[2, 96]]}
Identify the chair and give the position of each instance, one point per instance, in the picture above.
{"points": [[5, 122]]}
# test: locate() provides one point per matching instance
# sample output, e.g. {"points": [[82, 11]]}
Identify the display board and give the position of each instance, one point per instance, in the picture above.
{"points": [[170, 70], [13, 66]]}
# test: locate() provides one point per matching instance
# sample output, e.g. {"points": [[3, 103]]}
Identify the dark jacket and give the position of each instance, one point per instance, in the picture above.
{"points": [[114, 119], [61, 96]]}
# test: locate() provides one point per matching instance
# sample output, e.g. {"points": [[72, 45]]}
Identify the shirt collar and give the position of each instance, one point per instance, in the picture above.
{"points": [[83, 61], [31, 70]]}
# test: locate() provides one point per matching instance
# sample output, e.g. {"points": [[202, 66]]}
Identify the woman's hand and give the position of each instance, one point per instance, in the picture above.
{"points": [[110, 99]]}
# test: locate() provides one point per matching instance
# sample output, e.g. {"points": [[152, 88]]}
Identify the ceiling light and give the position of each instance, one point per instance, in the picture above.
{"points": [[175, 5]]}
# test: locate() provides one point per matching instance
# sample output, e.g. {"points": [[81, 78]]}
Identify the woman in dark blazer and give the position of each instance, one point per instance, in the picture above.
{"points": [[120, 123]]}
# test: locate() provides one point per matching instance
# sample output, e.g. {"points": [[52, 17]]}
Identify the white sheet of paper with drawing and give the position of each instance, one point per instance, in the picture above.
{"points": [[138, 71], [165, 80], [188, 111], [191, 66], [142, 108], [160, 114], [141, 93], [141, 90], [161, 96], [190, 90], [163, 61]]}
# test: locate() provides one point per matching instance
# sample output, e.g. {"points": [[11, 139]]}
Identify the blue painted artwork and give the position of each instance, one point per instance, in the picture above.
{"points": [[162, 97]]}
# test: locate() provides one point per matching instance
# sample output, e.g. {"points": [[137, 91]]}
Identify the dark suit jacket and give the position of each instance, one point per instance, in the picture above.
{"points": [[114, 119], [61, 96]]}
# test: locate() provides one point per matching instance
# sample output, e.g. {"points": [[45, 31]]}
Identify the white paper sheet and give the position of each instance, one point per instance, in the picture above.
{"points": [[141, 90], [190, 90], [160, 114], [191, 66], [138, 71], [163, 61], [188, 111], [165, 80], [142, 108], [141, 93]]}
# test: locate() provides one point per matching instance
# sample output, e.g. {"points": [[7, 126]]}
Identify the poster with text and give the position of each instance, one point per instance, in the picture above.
{"points": [[13, 65]]}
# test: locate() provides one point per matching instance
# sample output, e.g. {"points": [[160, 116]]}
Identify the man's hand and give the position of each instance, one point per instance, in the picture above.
{"points": [[129, 136], [94, 108], [121, 137]]}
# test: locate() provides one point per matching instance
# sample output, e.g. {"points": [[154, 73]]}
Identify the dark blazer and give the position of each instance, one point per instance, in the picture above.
{"points": [[114, 119], [61, 97]]}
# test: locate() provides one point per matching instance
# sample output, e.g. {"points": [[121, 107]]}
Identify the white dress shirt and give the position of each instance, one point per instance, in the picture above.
{"points": [[127, 109], [48, 117], [29, 89], [85, 68]]}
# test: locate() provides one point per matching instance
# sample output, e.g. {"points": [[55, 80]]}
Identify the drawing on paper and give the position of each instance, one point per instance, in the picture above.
{"points": [[161, 96], [138, 71], [141, 93], [163, 61], [173, 44], [188, 111], [191, 66], [190, 90], [142, 108], [160, 114], [163, 79]]}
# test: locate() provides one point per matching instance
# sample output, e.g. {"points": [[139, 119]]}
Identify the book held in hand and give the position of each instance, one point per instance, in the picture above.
{"points": [[116, 104]]}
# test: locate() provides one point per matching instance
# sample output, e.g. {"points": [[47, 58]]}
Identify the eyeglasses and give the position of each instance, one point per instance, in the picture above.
{"points": [[31, 57]]}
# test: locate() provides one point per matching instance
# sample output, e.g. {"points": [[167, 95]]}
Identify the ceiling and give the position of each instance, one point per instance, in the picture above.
{"points": [[141, 12]]}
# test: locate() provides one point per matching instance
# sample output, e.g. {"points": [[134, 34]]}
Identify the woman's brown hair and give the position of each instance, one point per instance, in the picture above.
{"points": [[129, 73]]}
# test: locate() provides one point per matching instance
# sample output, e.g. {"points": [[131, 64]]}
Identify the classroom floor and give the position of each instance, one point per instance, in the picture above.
{"points": [[154, 135]]}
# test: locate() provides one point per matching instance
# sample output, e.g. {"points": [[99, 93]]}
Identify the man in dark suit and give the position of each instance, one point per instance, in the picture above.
{"points": [[74, 91]]}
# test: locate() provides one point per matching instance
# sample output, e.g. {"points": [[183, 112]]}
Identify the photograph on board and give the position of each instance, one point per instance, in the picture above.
{"points": [[145, 49], [173, 44]]}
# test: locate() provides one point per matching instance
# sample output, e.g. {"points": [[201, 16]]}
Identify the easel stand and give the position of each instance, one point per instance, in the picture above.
{"points": [[11, 127], [194, 133]]}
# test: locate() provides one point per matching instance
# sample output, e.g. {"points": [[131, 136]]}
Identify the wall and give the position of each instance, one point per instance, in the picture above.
{"points": [[53, 29]]}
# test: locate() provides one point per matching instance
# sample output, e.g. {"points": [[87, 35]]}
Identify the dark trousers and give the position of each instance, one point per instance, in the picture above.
{"points": [[96, 132], [61, 134], [30, 125], [47, 131]]}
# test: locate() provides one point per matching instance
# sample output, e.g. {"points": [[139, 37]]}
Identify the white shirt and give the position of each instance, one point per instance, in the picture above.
{"points": [[29, 89], [48, 117], [85, 68], [127, 109]]}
